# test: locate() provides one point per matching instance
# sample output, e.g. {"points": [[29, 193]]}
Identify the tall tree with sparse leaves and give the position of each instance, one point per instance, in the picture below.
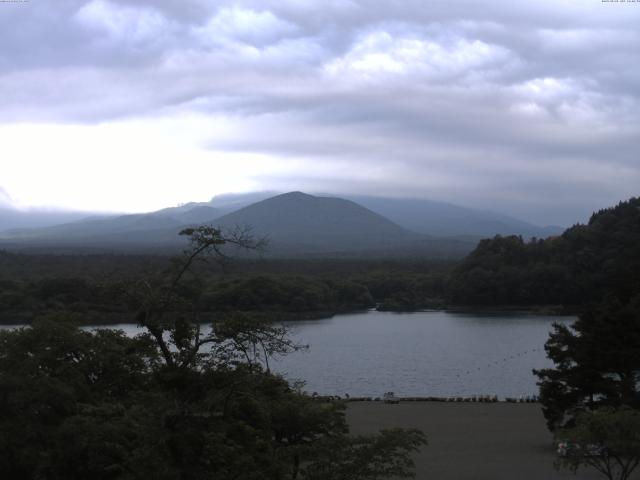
{"points": [[176, 402]]}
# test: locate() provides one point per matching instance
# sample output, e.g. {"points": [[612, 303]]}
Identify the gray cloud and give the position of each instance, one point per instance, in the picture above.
{"points": [[516, 106], [5, 199]]}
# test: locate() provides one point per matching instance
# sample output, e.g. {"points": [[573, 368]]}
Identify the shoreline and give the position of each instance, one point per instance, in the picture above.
{"points": [[537, 310], [434, 399]]}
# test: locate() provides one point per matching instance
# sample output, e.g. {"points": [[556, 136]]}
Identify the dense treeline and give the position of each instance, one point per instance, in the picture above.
{"points": [[286, 294], [578, 267], [35, 284], [32, 266], [405, 291], [22, 301], [569, 270]]}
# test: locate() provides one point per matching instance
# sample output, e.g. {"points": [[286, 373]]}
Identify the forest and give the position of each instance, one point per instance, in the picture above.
{"points": [[31, 285], [575, 268], [563, 272]]}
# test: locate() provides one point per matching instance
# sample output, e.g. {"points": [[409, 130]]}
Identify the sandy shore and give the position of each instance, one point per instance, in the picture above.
{"points": [[471, 441]]}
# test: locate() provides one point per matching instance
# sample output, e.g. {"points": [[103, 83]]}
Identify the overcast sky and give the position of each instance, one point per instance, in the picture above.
{"points": [[531, 108]]}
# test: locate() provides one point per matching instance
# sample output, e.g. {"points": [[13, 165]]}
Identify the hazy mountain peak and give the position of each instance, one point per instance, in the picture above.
{"points": [[295, 196], [446, 219], [228, 201], [297, 221]]}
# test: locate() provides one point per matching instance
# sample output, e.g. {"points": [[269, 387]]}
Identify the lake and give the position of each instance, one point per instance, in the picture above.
{"points": [[431, 353]]}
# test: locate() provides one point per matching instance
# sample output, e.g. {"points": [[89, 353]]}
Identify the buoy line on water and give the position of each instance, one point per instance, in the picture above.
{"points": [[499, 362]]}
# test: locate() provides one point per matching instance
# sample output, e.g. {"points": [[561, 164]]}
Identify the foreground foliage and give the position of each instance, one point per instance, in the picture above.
{"points": [[591, 397], [176, 401], [597, 362], [607, 440]]}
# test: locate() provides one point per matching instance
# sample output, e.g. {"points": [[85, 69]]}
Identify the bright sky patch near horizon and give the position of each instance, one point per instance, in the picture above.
{"points": [[529, 108]]}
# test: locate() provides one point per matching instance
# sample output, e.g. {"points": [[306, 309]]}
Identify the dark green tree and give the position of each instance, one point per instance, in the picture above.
{"points": [[583, 265], [597, 362], [607, 440]]}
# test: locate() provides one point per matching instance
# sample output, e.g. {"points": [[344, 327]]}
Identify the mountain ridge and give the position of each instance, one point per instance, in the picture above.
{"points": [[297, 223]]}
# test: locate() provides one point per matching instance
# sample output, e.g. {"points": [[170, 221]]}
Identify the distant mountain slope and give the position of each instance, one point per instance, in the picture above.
{"points": [[425, 216], [318, 223], [300, 223], [11, 218], [297, 224], [446, 220], [230, 202], [191, 213], [437, 219], [108, 227]]}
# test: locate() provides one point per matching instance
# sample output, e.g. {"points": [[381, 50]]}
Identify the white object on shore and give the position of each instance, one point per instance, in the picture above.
{"points": [[389, 397]]}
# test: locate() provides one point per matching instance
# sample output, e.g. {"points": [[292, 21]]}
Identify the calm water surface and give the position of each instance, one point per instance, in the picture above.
{"points": [[417, 354], [420, 354]]}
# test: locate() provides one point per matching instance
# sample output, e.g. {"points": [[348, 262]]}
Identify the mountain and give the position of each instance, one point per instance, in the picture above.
{"points": [[300, 221], [437, 219], [34, 223], [159, 227], [300, 224], [448, 220], [11, 218], [196, 213], [230, 202], [295, 223], [424, 216]]}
